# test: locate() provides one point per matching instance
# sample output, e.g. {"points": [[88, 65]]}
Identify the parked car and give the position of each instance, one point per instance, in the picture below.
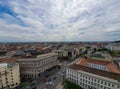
{"points": [[27, 87], [34, 87], [49, 80], [54, 78], [32, 84], [49, 83]]}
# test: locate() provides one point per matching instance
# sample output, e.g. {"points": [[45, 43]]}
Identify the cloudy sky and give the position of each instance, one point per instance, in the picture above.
{"points": [[59, 20]]}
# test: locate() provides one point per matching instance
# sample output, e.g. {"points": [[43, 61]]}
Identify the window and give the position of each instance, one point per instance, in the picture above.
{"points": [[101, 67], [112, 85], [95, 84], [91, 83], [101, 82], [105, 83], [98, 81], [104, 87], [95, 80], [6, 78], [118, 86], [6, 81], [92, 79], [89, 78]]}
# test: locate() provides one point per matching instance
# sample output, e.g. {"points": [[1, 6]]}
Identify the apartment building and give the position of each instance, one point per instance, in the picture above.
{"points": [[113, 46], [35, 67], [9, 75], [95, 73]]}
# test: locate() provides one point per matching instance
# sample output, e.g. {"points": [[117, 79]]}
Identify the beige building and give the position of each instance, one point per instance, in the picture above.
{"points": [[34, 67], [9, 75], [69, 50]]}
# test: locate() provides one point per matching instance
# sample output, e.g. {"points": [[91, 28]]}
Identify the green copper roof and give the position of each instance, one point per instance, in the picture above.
{"points": [[98, 55]]}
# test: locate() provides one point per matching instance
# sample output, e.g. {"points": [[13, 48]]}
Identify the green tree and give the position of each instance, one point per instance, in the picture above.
{"points": [[69, 85]]}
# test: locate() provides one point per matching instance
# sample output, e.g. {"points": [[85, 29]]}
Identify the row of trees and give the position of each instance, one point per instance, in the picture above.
{"points": [[115, 53], [70, 85], [111, 52]]}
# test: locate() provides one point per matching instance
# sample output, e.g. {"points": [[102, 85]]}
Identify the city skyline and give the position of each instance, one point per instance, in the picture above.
{"points": [[59, 20]]}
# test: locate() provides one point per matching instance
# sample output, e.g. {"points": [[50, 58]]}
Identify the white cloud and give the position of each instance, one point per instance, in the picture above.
{"points": [[63, 20]]}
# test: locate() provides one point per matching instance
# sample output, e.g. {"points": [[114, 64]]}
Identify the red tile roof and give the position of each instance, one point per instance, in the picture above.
{"points": [[112, 66], [8, 60]]}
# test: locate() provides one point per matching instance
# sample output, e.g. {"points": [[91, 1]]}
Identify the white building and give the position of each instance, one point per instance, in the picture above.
{"points": [[113, 46], [88, 77], [9, 75], [97, 72]]}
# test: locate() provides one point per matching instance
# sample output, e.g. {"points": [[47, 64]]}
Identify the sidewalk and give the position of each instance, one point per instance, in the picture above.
{"points": [[59, 86]]}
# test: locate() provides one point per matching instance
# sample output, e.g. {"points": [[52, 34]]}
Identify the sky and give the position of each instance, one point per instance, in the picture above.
{"points": [[59, 20]]}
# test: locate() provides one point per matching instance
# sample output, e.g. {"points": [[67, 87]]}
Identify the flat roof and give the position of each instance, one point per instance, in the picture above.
{"points": [[39, 57], [28, 59], [44, 55], [7, 64], [3, 64]]}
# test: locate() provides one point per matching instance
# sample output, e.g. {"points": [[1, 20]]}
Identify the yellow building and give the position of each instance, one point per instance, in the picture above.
{"points": [[9, 75]]}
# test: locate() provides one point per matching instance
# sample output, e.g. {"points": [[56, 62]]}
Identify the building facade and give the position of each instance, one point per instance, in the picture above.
{"points": [[34, 67], [72, 50], [97, 72], [113, 46], [9, 75], [89, 78]]}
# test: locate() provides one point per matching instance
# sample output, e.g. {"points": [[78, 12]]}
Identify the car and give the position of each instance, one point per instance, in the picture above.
{"points": [[64, 70], [27, 87], [49, 80], [30, 79], [47, 83], [50, 83], [32, 84], [54, 78], [61, 74], [53, 84], [34, 87]]}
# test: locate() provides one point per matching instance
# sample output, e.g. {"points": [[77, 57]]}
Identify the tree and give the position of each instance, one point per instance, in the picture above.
{"points": [[69, 85]]}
